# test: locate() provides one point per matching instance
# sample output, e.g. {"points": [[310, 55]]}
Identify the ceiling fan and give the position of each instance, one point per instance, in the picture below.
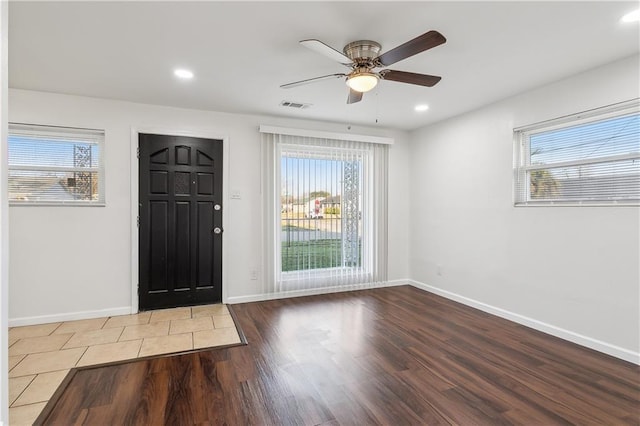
{"points": [[363, 58]]}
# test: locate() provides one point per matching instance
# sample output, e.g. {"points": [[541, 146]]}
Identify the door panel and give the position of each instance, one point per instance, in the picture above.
{"points": [[205, 245], [180, 255], [183, 245]]}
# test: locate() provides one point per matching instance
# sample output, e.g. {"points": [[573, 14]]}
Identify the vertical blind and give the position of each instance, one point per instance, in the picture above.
{"points": [[325, 212], [592, 158]]}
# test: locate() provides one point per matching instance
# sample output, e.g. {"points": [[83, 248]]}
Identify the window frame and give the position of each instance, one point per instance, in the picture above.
{"points": [[271, 138], [522, 154], [319, 274], [85, 135]]}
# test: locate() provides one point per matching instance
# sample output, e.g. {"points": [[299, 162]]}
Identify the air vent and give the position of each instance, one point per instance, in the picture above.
{"points": [[296, 105]]}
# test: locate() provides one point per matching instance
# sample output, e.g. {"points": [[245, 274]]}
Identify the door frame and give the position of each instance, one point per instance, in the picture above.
{"points": [[135, 131]]}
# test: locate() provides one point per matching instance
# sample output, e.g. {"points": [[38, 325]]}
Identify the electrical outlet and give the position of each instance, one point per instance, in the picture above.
{"points": [[253, 274]]}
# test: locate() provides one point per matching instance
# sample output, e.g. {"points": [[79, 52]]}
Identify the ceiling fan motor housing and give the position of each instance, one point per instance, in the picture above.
{"points": [[362, 50]]}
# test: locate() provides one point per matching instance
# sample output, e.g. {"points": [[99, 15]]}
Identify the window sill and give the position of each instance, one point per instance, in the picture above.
{"points": [[578, 204], [54, 204]]}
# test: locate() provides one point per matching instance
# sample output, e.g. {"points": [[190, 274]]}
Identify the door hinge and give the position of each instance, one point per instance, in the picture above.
{"points": [[138, 221], [138, 152]]}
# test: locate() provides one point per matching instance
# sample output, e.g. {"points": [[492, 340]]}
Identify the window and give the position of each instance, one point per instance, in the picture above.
{"points": [[328, 204], [589, 158], [55, 165]]}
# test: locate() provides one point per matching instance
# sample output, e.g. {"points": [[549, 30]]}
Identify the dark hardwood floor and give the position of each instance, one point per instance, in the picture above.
{"points": [[390, 356]]}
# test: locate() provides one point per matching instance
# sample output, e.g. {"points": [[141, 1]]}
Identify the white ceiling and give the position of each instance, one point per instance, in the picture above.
{"points": [[241, 52]]}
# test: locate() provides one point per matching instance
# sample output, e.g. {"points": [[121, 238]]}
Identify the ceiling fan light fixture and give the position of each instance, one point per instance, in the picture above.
{"points": [[362, 81]]}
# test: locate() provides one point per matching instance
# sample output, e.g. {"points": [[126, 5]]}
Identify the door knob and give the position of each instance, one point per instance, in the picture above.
{"points": [[217, 230]]}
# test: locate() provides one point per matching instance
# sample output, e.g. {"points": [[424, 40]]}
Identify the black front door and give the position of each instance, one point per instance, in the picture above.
{"points": [[180, 231]]}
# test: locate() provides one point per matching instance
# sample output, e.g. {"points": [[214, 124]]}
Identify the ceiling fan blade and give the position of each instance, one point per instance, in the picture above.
{"points": [[419, 44], [410, 77], [354, 96], [328, 51], [311, 80]]}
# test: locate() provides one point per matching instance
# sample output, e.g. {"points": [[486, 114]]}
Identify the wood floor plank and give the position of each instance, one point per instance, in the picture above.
{"points": [[385, 356]]}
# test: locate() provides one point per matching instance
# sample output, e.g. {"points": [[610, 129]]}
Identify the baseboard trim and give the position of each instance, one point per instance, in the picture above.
{"points": [[582, 340], [69, 316], [325, 290]]}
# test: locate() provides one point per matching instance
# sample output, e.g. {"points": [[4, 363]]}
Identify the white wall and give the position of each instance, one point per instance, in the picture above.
{"points": [[77, 260], [4, 218], [570, 271]]}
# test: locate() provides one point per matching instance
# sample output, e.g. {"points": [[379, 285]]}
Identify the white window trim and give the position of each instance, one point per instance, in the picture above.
{"points": [[522, 159], [89, 136]]}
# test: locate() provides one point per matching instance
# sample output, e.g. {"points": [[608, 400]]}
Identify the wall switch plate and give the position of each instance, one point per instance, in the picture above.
{"points": [[235, 195]]}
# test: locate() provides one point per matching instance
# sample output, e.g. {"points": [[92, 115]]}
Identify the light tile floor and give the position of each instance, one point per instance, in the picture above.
{"points": [[40, 356]]}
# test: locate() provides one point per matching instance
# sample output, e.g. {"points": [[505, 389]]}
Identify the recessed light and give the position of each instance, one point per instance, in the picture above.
{"points": [[633, 16], [421, 107], [183, 73]]}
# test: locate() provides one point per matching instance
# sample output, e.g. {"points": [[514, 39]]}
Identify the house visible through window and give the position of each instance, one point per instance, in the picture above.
{"points": [[329, 202], [588, 158], [55, 165]]}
